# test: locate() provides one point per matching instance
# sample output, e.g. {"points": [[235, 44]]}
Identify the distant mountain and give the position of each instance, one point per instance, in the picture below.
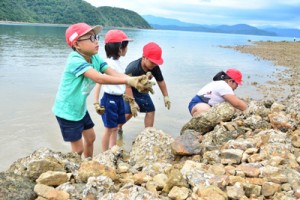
{"points": [[166, 21], [243, 29], [68, 12], [284, 32], [173, 24]]}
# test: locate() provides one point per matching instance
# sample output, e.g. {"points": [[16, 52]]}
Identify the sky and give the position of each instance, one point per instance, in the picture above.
{"points": [[259, 13]]}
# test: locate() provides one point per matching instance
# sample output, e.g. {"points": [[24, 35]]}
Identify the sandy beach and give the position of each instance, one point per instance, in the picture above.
{"points": [[285, 82]]}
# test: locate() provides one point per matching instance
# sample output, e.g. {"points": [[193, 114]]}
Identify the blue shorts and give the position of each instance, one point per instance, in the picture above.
{"points": [[72, 130], [114, 110], [195, 100], [143, 100]]}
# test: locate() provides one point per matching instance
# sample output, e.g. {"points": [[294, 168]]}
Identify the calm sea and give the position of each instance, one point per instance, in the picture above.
{"points": [[33, 59]]}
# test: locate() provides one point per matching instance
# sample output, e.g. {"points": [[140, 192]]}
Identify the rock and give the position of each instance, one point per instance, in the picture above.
{"points": [[93, 168], [212, 193], [179, 193], [52, 178], [269, 189], [187, 144], [175, 178], [130, 192], [13, 186], [236, 191], [156, 147], [206, 121]]}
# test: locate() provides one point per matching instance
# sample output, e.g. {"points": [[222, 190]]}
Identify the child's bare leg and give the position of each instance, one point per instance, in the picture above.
{"points": [[128, 117], [77, 146], [149, 119], [105, 139], [88, 143], [199, 108], [113, 137]]}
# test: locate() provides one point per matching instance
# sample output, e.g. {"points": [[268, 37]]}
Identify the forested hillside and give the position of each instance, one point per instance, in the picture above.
{"points": [[68, 12]]}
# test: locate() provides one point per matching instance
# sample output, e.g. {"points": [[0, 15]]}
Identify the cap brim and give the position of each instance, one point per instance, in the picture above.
{"points": [[97, 29], [158, 62], [128, 39]]}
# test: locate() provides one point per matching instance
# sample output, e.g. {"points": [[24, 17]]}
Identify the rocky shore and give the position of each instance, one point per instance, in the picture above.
{"points": [[282, 53], [220, 154]]}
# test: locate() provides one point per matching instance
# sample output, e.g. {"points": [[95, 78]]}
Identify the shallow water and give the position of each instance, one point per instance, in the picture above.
{"points": [[32, 61]]}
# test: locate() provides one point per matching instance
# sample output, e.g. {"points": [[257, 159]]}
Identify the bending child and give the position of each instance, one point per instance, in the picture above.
{"points": [[219, 90], [149, 62]]}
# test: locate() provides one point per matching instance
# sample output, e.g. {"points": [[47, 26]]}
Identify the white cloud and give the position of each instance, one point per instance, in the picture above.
{"points": [[252, 12]]}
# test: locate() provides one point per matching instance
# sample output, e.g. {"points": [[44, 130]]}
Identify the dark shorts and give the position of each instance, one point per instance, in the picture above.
{"points": [[114, 110], [195, 100], [143, 100], [72, 130]]}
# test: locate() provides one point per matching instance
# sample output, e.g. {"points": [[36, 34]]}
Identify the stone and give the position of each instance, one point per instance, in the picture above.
{"points": [[52, 178]]}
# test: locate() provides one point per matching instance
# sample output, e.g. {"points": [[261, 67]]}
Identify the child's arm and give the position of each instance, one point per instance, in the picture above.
{"points": [[112, 72], [97, 93], [105, 79], [99, 109], [141, 83]]}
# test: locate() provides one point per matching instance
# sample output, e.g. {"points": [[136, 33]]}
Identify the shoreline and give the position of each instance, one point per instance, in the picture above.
{"points": [[2, 22], [286, 81], [14, 23]]}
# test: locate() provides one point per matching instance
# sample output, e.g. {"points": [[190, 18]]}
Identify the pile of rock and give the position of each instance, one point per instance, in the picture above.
{"points": [[220, 154]]}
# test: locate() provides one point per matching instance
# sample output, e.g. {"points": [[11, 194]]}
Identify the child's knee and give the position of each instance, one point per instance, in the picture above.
{"points": [[91, 138]]}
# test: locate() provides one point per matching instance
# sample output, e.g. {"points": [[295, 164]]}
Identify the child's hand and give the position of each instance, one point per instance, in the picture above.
{"points": [[141, 83], [167, 102], [134, 107], [99, 109]]}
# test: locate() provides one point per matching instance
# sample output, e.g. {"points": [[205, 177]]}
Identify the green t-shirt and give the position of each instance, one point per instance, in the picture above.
{"points": [[70, 102]]}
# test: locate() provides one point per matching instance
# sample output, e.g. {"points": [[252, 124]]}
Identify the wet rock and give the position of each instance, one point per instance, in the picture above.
{"points": [[13, 186]]}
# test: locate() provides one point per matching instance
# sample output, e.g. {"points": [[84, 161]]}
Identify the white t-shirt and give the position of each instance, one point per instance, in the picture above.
{"points": [[213, 92], [114, 89]]}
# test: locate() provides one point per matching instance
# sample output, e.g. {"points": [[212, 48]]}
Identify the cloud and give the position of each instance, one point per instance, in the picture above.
{"points": [[254, 12]]}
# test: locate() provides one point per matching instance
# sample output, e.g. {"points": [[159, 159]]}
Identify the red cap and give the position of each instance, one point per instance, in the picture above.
{"points": [[115, 36], [153, 52], [77, 30], [235, 74]]}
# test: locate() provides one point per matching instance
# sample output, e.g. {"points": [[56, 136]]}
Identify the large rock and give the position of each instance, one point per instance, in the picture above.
{"points": [[43, 160], [151, 146], [187, 144], [16, 187], [206, 121]]}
